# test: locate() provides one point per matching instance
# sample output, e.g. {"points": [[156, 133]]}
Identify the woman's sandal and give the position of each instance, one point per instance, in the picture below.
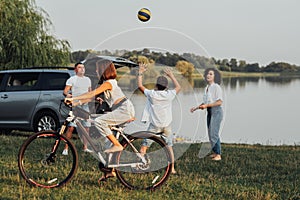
{"points": [[107, 176]]}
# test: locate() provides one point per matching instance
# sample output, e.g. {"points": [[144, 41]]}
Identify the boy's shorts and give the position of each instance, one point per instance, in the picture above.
{"points": [[167, 133]]}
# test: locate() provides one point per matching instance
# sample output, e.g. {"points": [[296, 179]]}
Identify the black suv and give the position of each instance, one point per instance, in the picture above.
{"points": [[30, 98]]}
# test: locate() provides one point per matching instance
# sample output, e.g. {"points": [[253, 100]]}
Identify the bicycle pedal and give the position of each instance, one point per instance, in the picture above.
{"points": [[103, 168]]}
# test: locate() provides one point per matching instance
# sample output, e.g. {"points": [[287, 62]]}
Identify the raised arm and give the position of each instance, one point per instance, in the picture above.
{"points": [[142, 69], [170, 74]]}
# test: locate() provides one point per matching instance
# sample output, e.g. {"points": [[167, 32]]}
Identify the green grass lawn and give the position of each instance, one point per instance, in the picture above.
{"points": [[245, 172]]}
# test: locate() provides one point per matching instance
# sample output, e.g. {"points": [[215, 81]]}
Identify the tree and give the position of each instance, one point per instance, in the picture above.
{"points": [[252, 67], [242, 63], [280, 67], [185, 68], [24, 37], [233, 63], [143, 59]]}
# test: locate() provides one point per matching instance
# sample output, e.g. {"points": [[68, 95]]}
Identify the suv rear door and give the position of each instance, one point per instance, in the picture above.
{"points": [[19, 97], [53, 84]]}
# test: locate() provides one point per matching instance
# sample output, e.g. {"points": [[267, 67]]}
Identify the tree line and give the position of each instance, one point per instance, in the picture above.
{"points": [[199, 62], [241, 66]]}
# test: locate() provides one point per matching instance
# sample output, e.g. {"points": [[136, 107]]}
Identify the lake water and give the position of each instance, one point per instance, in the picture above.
{"points": [[257, 111]]}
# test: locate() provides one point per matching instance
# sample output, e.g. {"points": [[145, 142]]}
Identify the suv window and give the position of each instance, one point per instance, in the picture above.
{"points": [[22, 81], [54, 81]]}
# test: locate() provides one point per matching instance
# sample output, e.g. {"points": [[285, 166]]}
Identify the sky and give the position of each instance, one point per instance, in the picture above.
{"points": [[256, 31]]}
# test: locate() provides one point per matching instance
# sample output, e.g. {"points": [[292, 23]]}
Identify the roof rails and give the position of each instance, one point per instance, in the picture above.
{"points": [[51, 67], [118, 61]]}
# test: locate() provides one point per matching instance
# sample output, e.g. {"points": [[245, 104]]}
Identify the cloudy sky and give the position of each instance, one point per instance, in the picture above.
{"points": [[259, 31]]}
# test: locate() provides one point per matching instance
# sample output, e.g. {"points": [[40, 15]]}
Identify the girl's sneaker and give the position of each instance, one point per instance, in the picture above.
{"points": [[65, 152]]}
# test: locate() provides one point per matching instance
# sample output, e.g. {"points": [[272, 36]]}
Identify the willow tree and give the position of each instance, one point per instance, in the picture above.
{"points": [[25, 39]]}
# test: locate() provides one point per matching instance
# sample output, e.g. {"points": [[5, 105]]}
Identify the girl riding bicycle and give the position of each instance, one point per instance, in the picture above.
{"points": [[41, 165], [122, 108]]}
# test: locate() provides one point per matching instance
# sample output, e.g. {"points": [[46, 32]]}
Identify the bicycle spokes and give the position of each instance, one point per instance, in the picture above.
{"points": [[147, 173], [44, 168]]}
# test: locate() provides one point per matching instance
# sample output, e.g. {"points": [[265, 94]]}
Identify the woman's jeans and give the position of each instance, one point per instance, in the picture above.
{"points": [[214, 119]]}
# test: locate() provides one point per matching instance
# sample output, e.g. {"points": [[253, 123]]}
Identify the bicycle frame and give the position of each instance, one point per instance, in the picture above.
{"points": [[119, 131], [41, 164]]}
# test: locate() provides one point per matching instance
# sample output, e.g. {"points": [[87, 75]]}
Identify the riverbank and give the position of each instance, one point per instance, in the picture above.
{"points": [[198, 73], [248, 74]]}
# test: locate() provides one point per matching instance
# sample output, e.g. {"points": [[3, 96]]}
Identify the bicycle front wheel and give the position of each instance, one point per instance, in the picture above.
{"points": [[136, 174], [41, 162]]}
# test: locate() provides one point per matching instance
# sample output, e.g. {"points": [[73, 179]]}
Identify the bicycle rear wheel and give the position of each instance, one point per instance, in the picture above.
{"points": [[41, 162], [144, 176]]}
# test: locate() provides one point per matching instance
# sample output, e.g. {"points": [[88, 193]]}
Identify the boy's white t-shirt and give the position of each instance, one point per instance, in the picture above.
{"points": [[158, 110], [80, 85]]}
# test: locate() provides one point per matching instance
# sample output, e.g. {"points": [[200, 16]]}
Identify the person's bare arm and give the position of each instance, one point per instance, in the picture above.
{"points": [[170, 74], [66, 91], [216, 103], [90, 95], [83, 101], [204, 106], [142, 69]]}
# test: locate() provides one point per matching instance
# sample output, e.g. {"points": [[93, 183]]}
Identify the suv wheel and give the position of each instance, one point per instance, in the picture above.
{"points": [[45, 120]]}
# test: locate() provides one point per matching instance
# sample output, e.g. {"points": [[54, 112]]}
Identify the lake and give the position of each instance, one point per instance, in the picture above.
{"points": [[257, 111]]}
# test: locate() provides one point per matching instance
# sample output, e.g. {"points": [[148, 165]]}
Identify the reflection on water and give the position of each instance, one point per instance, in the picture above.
{"points": [[234, 82], [238, 81], [188, 84], [262, 110]]}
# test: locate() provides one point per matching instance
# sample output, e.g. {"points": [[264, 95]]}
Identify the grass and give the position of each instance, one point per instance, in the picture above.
{"points": [[245, 172]]}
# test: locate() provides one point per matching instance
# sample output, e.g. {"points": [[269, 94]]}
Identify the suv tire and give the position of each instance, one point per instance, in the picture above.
{"points": [[45, 120]]}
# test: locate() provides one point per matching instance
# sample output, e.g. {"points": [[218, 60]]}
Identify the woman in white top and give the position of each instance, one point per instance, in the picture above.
{"points": [[212, 101], [122, 108]]}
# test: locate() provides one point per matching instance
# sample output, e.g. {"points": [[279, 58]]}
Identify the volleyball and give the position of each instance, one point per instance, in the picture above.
{"points": [[144, 14]]}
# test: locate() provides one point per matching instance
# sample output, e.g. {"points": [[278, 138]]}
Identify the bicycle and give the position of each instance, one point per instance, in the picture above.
{"points": [[41, 163]]}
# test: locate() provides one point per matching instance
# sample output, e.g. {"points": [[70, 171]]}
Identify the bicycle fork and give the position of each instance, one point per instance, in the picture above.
{"points": [[50, 158]]}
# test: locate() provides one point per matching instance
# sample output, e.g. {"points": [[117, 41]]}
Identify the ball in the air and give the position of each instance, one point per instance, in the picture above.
{"points": [[144, 14]]}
